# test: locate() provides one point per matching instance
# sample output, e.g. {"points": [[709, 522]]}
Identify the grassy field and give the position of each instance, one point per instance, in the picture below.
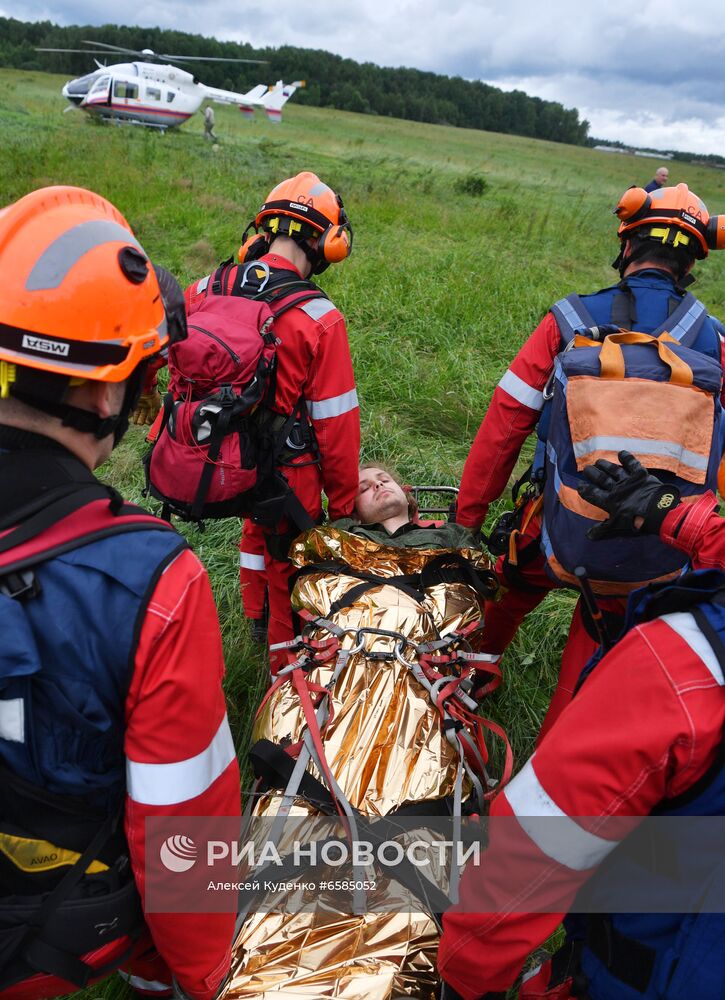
{"points": [[462, 241]]}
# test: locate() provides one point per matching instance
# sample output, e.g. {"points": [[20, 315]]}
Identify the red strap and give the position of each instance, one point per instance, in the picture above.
{"points": [[300, 683], [93, 520]]}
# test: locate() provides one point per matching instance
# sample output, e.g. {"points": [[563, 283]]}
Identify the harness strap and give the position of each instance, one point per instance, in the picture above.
{"points": [[32, 949], [219, 431], [571, 315], [683, 323], [626, 959], [50, 514], [53, 961], [79, 521], [624, 308]]}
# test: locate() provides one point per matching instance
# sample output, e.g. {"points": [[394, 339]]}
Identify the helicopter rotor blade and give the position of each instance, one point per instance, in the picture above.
{"points": [[211, 59], [86, 52], [114, 48]]}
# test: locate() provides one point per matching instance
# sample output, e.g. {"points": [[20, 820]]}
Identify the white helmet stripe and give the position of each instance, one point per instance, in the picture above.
{"points": [[56, 260]]}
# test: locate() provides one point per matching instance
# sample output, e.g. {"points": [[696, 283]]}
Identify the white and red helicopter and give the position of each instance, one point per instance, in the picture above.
{"points": [[156, 94]]}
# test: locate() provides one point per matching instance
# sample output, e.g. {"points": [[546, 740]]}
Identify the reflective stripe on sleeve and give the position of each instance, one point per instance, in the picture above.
{"points": [[554, 833], [521, 391], [643, 446], [169, 784], [249, 560], [317, 308], [335, 406], [687, 628]]}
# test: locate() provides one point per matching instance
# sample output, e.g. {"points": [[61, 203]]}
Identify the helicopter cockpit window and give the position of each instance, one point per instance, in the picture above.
{"points": [[170, 95], [153, 93], [100, 84], [83, 84], [123, 89]]}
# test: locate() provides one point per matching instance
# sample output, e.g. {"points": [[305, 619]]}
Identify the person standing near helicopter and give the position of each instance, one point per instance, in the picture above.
{"points": [[209, 124]]}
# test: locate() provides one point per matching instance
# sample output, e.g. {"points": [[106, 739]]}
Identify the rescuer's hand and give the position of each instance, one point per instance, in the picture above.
{"points": [[636, 501], [147, 408]]}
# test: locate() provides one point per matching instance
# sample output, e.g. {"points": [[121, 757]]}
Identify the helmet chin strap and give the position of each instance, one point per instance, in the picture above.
{"points": [[79, 419]]}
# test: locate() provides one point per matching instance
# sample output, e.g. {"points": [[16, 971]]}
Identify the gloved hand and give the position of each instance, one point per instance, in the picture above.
{"points": [[636, 501], [147, 408]]}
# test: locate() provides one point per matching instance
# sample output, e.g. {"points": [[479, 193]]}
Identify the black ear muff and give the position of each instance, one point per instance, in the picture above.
{"points": [[634, 204], [253, 247], [335, 244], [715, 232]]}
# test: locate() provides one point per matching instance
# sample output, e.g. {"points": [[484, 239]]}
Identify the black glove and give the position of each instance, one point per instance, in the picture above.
{"points": [[627, 491]]}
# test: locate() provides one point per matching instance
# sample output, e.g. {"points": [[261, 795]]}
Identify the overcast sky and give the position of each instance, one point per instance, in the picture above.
{"points": [[648, 72]]}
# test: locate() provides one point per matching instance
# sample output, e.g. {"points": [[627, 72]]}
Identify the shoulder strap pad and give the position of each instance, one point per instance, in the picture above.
{"points": [[75, 519], [215, 286], [571, 316], [685, 323]]}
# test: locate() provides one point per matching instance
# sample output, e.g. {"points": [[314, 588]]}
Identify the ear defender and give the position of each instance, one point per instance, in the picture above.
{"points": [[335, 244], [253, 247], [634, 204], [715, 232]]}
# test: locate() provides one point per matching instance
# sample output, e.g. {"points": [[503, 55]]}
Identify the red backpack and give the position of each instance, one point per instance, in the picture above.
{"points": [[220, 445]]}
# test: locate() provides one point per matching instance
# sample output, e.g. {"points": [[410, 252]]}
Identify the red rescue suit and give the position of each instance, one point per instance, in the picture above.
{"points": [[313, 362], [252, 570], [646, 725]]}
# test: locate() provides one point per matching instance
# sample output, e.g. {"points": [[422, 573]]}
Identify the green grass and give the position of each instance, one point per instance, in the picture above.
{"points": [[462, 241]]}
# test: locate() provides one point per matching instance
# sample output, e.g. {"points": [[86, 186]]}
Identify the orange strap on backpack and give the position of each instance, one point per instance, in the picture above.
{"points": [[612, 358]]}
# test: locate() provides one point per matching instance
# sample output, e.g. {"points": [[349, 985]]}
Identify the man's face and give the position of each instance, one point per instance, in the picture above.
{"points": [[379, 497], [662, 176]]}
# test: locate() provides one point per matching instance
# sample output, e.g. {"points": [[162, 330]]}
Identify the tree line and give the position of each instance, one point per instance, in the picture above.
{"points": [[333, 82]]}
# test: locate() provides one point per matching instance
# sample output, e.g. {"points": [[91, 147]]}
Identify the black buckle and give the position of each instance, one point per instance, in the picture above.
{"points": [[20, 586]]}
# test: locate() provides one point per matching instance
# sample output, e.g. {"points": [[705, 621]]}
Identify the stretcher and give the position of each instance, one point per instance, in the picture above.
{"points": [[375, 717]]}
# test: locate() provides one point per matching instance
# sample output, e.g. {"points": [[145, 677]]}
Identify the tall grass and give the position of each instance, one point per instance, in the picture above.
{"points": [[462, 241]]}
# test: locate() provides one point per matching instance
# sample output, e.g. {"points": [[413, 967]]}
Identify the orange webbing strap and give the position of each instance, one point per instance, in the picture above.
{"points": [[611, 357], [530, 514]]}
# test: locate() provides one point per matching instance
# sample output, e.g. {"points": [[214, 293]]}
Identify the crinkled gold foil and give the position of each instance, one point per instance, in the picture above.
{"points": [[323, 955], [385, 747]]}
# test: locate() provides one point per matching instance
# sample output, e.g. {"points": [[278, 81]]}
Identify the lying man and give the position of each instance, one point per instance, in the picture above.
{"points": [[387, 604], [386, 512], [642, 735]]}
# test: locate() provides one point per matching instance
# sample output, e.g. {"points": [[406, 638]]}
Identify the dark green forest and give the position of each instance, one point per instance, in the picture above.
{"points": [[332, 81]]}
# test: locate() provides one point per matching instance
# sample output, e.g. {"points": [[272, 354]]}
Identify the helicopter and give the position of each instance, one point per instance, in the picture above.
{"points": [[152, 92]]}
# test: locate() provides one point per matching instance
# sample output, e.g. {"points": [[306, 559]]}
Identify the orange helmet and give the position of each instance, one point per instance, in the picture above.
{"points": [[302, 207], [80, 297], [673, 216]]}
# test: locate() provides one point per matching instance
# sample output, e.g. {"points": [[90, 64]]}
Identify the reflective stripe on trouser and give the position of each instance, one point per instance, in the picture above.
{"points": [[252, 573]]}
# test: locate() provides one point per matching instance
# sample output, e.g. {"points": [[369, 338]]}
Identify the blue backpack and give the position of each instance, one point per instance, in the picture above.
{"points": [[652, 394]]}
